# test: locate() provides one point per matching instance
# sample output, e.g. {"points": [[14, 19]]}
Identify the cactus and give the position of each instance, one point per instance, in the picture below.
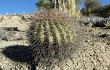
{"points": [[51, 39]]}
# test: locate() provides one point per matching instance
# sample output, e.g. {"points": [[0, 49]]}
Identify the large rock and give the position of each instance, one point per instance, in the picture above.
{"points": [[94, 21], [18, 21]]}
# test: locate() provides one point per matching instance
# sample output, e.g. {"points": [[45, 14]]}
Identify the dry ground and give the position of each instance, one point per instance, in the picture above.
{"points": [[94, 54]]}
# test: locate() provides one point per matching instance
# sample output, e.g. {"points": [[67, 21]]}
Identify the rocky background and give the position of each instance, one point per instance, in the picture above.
{"points": [[92, 54]]}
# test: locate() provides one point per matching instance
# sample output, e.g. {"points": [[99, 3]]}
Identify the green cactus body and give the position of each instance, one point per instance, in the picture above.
{"points": [[51, 37]]}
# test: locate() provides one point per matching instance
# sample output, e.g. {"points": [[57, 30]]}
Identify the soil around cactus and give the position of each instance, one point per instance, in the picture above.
{"points": [[93, 52]]}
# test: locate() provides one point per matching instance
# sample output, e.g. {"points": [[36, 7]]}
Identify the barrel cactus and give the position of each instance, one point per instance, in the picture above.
{"points": [[51, 38]]}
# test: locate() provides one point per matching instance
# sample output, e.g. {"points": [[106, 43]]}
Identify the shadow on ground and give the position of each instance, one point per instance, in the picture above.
{"points": [[19, 53]]}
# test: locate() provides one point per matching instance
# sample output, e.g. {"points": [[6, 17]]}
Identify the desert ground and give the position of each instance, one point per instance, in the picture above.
{"points": [[92, 54]]}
